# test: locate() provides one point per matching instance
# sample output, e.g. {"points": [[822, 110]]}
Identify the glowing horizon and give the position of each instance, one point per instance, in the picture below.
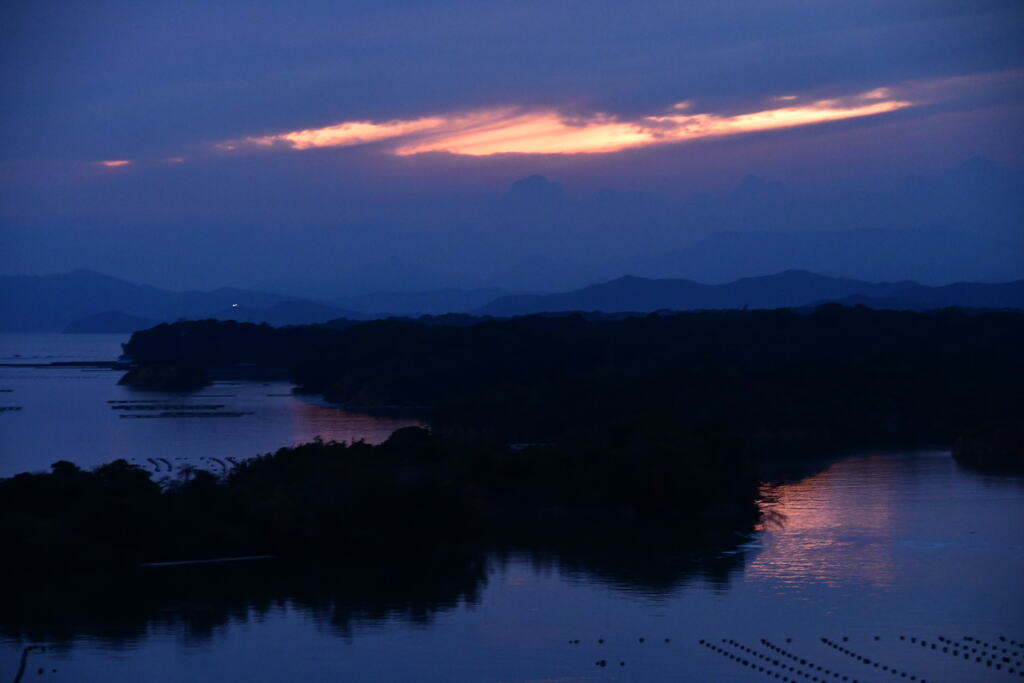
{"points": [[514, 130]]}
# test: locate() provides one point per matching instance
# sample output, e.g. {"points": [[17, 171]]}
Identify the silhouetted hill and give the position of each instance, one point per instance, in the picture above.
{"points": [[973, 294], [108, 322], [49, 303], [929, 255], [788, 289], [966, 294]]}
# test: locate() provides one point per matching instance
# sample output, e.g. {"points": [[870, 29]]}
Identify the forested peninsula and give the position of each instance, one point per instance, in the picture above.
{"points": [[544, 429], [836, 376]]}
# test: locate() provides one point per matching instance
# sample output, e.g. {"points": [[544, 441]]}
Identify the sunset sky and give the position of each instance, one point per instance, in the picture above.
{"points": [[199, 144]]}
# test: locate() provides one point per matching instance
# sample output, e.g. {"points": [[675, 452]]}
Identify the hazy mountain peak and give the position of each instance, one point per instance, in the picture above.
{"points": [[798, 275], [535, 187], [981, 172]]}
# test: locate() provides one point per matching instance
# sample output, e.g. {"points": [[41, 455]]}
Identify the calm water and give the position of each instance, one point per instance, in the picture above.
{"points": [[79, 414], [884, 545]]}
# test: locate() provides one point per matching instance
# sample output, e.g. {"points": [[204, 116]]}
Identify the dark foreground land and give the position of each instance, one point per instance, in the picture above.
{"points": [[415, 491], [546, 430]]}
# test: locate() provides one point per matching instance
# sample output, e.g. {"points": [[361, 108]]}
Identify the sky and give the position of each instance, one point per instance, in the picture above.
{"points": [[353, 146]]}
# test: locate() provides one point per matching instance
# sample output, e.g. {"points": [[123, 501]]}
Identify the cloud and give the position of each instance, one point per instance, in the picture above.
{"points": [[516, 130], [113, 163], [69, 74], [537, 132], [345, 134]]}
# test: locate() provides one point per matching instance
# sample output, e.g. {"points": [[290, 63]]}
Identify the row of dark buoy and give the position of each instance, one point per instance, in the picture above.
{"points": [[1014, 643], [991, 659], [955, 648], [781, 675], [870, 662], [1001, 654], [991, 646], [796, 658], [803, 662], [600, 641]]}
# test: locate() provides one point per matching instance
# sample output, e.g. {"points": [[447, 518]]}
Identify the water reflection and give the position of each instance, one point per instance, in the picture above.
{"points": [[831, 527], [95, 429], [312, 418], [199, 601], [651, 565]]}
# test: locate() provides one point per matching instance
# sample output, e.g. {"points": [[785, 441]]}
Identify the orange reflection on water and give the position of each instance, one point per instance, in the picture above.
{"points": [[333, 424], [833, 528]]}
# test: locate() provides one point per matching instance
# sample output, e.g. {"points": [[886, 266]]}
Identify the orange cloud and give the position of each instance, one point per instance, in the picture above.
{"points": [[546, 132], [517, 132], [113, 163], [345, 134], [520, 131], [708, 125]]}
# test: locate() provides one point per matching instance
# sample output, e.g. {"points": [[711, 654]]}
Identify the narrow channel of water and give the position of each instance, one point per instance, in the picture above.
{"points": [[82, 415]]}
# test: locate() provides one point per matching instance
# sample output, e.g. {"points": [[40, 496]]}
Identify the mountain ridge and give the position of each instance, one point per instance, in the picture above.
{"points": [[788, 289], [72, 300], [85, 300]]}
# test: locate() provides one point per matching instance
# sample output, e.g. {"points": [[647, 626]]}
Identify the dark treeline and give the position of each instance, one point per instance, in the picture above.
{"points": [[415, 491], [998, 449], [835, 377]]}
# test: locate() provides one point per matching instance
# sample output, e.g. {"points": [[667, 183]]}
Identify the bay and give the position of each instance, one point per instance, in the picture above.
{"points": [[883, 555]]}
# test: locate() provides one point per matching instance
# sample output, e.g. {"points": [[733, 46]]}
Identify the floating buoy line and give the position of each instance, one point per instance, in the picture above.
{"points": [[787, 664]]}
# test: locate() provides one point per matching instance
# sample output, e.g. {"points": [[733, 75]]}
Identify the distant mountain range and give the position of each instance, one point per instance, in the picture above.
{"points": [[85, 301], [792, 288], [964, 225], [930, 255]]}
